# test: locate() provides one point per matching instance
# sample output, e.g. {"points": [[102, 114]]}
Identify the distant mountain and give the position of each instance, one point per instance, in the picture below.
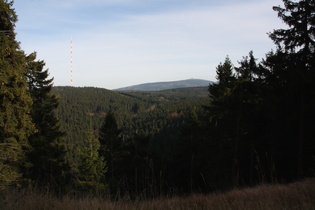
{"points": [[157, 86]]}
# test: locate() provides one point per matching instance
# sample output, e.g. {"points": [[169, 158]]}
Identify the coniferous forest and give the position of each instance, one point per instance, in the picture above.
{"points": [[254, 126]]}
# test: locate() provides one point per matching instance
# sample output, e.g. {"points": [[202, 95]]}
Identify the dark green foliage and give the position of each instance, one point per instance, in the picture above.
{"points": [[254, 125], [145, 138], [89, 176], [15, 102], [137, 167], [158, 114], [46, 158], [291, 102], [296, 51], [219, 92], [111, 149], [188, 162], [110, 139], [262, 113], [300, 18]]}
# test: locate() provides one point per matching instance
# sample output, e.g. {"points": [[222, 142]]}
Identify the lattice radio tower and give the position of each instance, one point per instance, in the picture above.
{"points": [[71, 81]]}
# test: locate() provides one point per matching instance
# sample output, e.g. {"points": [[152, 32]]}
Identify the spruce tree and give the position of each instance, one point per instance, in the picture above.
{"points": [[91, 171], [47, 155], [219, 92], [300, 17], [222, 115], [15, 102], [235, 112], [296, 49], [110, 149], [248, 109]]}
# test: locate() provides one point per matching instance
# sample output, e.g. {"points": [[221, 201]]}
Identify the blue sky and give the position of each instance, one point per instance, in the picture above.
{"points": [[118, 43]]}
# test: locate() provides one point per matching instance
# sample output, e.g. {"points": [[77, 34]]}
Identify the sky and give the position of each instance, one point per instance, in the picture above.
{"points": [[119, 43]]}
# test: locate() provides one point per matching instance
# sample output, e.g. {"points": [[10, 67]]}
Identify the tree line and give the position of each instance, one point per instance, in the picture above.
{"points": [[255, 126], [29, 131]]}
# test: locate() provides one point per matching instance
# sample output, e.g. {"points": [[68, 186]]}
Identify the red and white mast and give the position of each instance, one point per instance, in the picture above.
{"points": [[71, 82]]}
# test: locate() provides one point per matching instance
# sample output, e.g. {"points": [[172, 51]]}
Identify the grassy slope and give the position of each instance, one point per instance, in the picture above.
{"points": [[299, 195]]}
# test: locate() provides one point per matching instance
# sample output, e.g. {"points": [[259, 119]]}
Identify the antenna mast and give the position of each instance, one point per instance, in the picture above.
{"points": [[71, 61]]}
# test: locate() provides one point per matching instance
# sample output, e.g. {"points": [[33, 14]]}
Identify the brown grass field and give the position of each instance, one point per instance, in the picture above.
{"points": [[298, 195]]}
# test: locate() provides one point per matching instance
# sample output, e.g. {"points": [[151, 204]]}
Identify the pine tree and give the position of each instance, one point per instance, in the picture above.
{"points": [[110, 149], [248, 69], [15, 101], [235, 112], [300, 17], [225, 79], [222, 116], [297, 46], [247, 99], [47, 154], [90, 174], [219, 92]]}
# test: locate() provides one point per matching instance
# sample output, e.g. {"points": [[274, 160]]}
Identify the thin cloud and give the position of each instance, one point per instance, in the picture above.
{"points": [[181, 43]]}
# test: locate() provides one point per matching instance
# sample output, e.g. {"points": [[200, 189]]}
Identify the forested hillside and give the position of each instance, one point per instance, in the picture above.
{"points": [[156, 115], [255, 125]]}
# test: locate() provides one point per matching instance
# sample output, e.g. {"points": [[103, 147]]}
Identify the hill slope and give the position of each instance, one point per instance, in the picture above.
{"points": [[142, 111], [156, 86]]}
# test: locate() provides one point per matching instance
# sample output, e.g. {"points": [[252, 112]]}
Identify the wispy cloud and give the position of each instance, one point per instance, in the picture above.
{"points": [[127, 47]]}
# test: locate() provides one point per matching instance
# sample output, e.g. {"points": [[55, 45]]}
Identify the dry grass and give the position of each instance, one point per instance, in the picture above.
{"points": [[299, 195]]}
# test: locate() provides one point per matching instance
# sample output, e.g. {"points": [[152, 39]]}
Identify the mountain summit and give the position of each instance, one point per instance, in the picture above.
{"points": [[156, 86]]}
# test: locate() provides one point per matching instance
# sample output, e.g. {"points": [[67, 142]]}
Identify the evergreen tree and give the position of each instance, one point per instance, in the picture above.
{"points": [[219, 92], [90, 173], [247, 99], [15, 101], [299, 37], [236, 113], [188, 160], [135, 169], [248, 69], [110, 150], [47, 155], [225, 79], [222, 118], [296, 49]]}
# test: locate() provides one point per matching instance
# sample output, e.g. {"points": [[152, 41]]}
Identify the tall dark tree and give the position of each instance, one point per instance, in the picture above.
{"points": [[190, 158], [136, 170], [248, 102], [298, 44], [225, 79], [15, 102], [299, 37], [237, 117], [222, 117], [220, 91], [47, 154], [92, 169], [110, 149], [248, 69]]}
